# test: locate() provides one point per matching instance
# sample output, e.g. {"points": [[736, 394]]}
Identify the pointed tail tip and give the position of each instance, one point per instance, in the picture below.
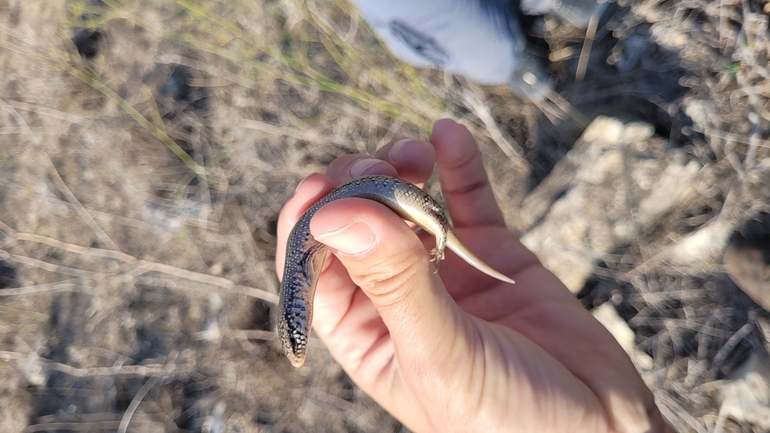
{"points": [[500, 277]]}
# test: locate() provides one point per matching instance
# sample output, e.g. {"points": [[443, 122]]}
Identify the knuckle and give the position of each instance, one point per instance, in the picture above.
{"points": [[388, 279]]}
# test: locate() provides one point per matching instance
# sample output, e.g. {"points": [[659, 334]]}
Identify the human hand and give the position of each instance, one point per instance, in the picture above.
{"points": [[457, 350]]}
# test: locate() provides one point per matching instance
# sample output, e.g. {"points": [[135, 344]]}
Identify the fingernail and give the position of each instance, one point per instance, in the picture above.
{"points": [[364, 166], [352, 239], [396, 149]]}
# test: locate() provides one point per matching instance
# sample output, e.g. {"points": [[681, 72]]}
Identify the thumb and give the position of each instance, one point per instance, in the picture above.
{"points": [[388, 261]]}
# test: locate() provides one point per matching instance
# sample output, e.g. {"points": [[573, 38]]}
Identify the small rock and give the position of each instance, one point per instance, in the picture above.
{"points": [[33, 371], [609, 317], [704, 113], [747, 259], [701, 246], [618, 180], [746, 395]]}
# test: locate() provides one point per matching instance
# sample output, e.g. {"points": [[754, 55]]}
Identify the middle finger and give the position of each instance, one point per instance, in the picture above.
{"points": [[411, 160]]}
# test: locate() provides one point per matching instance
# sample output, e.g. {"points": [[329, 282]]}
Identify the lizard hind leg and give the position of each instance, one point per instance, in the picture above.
{"points": [[436, 256]]}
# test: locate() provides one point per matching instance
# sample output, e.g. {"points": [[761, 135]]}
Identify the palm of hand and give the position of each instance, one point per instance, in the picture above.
{"points": [[522, 345], [564, 356]]}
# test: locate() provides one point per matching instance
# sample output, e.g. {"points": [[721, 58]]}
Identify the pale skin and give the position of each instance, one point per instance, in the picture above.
{"points": [[457, 350]]}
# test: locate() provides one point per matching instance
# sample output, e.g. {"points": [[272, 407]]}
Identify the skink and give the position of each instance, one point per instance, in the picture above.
{"points": [[305, 256]]}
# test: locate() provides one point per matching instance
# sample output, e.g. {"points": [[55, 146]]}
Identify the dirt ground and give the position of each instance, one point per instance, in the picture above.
{"points": [[147, 146]]}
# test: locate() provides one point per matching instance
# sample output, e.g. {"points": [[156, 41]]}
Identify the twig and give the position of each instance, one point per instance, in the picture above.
{"points": [[72, 426], [63, 188], [140, 267], [77, 249], [42, 288], [729, 346], [147, 266], [50, 267], [751, 153], [588, 42], [508, 145], [254, 334], [135, 403], [122, 370], [47, 111]]}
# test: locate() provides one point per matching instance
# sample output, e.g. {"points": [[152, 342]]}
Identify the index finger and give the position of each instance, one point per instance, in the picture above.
{"points": [[463, 178]]}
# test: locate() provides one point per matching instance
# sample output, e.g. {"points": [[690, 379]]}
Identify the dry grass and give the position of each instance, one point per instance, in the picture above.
{"points": [[139, 192]]}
